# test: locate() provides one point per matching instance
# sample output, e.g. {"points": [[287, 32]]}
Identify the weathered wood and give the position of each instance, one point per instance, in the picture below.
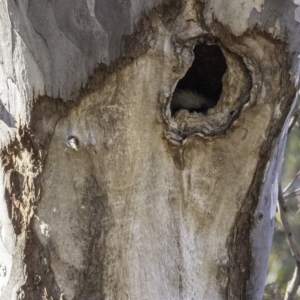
{"points": [[106, 193]]}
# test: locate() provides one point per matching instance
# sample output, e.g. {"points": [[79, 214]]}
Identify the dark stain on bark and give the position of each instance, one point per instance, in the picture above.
{"points": [[98, 222], [40, 281], [200, 7], [22, 193], [18, 203]]}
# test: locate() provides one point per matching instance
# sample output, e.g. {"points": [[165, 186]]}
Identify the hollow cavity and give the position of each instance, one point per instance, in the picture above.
{"points": [[201, 87]]}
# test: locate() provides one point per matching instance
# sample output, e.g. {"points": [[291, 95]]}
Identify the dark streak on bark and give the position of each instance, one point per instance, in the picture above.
{"points": [[40, 283], [140, 42], [22, 194], [200, 7], [99, 222], [18, 204], [40, 279]]}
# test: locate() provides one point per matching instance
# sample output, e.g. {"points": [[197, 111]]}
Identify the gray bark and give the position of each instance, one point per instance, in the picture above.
{"points": [[107, 194]]}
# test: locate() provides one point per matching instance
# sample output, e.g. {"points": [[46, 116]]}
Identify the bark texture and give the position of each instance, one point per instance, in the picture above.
{"points": [[106, 193]]}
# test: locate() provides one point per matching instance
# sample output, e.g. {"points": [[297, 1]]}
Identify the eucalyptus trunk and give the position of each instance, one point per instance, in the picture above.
{"points": [[108, 189]]}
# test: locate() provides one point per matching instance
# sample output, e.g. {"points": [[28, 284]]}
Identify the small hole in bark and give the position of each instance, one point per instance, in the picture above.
{"points": [[260, 216], [73, 142], [201, 87]]}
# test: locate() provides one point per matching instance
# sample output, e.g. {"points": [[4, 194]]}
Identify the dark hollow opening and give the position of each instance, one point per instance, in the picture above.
{"points": [[201, 87]]}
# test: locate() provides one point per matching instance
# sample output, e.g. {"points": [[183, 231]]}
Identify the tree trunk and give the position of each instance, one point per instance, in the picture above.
{"points": [[109, 190]]}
